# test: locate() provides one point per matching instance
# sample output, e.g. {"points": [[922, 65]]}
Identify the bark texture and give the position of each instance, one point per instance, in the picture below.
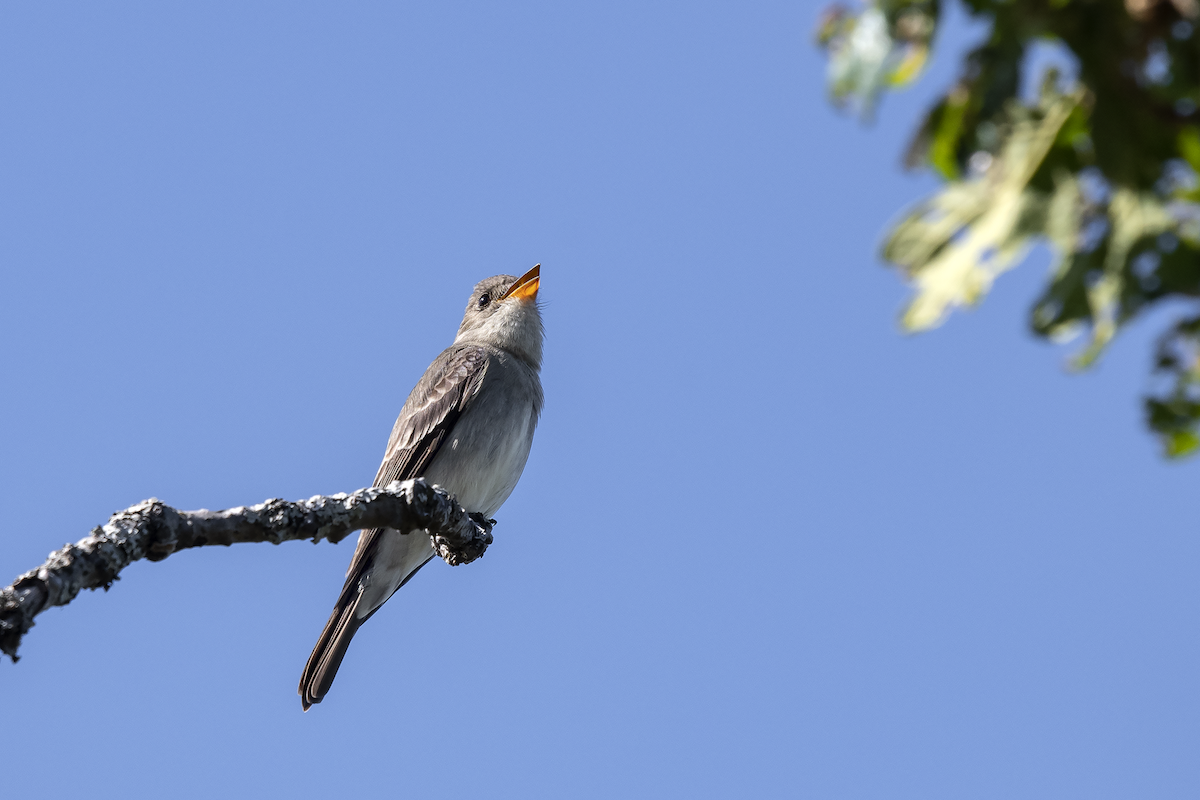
{"points": [[153, 530]]}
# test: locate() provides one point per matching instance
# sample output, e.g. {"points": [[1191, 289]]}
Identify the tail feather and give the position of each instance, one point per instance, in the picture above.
{"points": [[383, 562], [330, 649]]}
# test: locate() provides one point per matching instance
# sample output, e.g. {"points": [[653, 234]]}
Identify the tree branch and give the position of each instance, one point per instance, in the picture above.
{"points": [[153, 530]]}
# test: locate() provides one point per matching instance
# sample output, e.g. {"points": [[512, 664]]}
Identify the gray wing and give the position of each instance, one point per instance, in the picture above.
{"points": [[434, 405], [444, 392]]}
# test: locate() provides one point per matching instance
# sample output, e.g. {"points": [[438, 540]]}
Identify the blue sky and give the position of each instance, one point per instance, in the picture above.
{"points": [[765, 546]]}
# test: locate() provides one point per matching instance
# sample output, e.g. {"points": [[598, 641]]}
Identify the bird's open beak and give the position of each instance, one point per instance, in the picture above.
{"points": [[526, 287]]}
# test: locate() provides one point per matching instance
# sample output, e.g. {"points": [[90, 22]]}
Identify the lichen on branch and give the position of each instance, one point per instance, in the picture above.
{"points": [[152, 530]]}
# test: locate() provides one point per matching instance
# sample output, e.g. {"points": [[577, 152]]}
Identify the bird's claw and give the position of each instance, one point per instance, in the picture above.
{"points": [[464, 552], [482, 521]]}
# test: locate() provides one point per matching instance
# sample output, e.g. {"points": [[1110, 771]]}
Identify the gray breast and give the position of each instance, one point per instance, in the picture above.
{"points": [[482, 459]]}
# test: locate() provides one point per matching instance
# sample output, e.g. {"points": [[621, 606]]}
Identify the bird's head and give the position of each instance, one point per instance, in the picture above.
{"points": [[503, 312]]}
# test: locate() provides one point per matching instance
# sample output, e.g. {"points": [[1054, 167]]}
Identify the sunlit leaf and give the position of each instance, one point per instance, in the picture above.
{"points": [[909, 67], [1182, 443], [1189, 145], [1107, 177], [953, 245], [943, 149], [1133, 216], [881, 47]]}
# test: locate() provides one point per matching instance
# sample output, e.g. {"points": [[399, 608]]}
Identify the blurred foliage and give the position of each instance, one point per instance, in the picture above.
{"points": [[1102, 167]]}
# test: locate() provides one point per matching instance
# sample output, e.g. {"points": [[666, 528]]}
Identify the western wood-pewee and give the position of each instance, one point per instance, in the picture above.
{"points": [[467, 426]]}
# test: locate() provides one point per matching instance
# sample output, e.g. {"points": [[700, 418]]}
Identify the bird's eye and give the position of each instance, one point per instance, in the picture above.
{"points": [[484, 299]]}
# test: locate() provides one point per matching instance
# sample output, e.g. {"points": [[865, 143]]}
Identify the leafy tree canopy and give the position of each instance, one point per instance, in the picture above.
{"points": [[1103, 168]]}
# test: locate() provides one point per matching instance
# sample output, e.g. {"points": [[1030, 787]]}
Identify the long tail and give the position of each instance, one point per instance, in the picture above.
{"points": [[383, 562], [327, 656]]}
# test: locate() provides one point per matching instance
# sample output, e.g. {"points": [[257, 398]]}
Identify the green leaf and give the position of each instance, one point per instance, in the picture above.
{"points": [[948, 130], [953, 245], [1063, 308], [1133, 216], [1175, 416], [1182, 443], [885, 46], [1189, 145], [1113, 188]]}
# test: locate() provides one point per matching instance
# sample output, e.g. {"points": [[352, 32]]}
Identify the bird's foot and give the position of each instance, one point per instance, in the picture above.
{"points": [[482, 521], [466, 546]]}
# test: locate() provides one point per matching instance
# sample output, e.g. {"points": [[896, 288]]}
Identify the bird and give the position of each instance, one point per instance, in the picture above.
{"points": [[467, 426]]}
